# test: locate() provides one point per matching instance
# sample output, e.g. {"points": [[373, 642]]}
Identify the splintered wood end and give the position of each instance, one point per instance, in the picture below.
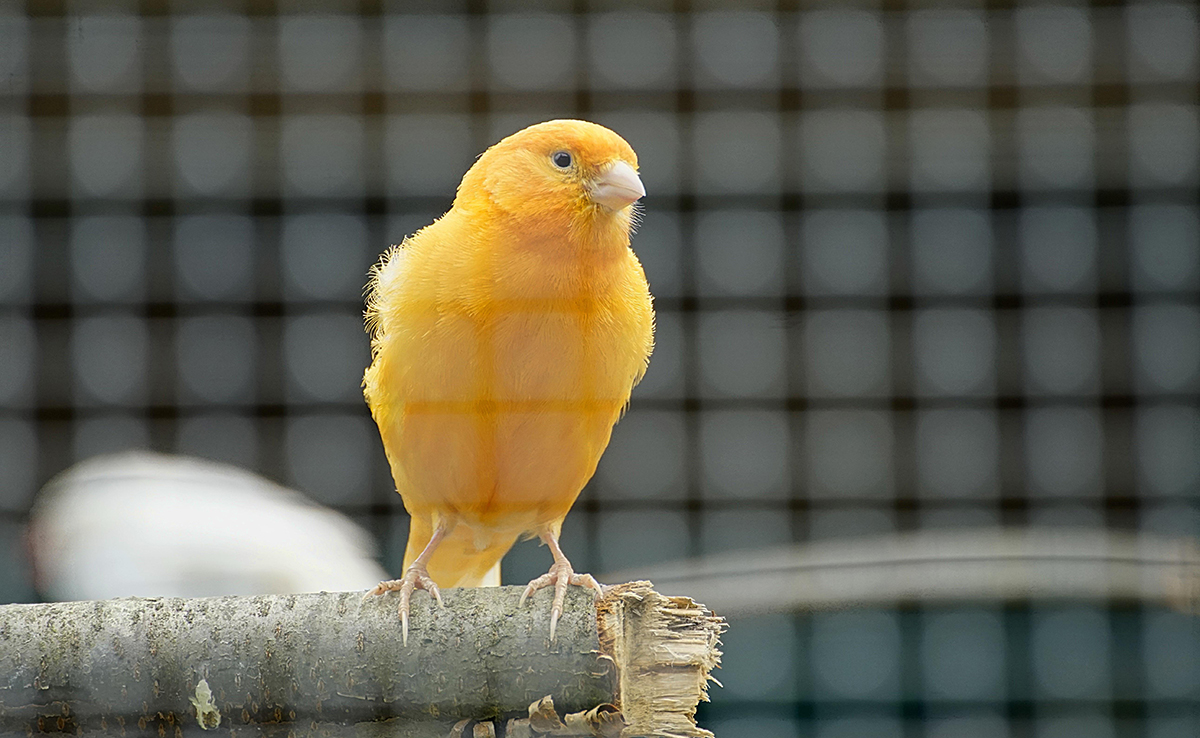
{"points": [[664, 649]]}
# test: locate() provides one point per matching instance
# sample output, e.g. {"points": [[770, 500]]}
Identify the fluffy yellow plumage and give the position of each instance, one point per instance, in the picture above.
{"points": [[506, 339]]}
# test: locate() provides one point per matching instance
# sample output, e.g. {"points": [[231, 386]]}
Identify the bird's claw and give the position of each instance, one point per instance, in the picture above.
{"points": [[415, 578], [561, 575]]}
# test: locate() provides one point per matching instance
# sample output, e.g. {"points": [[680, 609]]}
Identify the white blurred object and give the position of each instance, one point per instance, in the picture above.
{"points": [[154, 525]]}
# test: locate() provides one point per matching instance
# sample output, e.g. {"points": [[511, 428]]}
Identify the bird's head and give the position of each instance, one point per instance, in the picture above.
{"points": [[570, 173]]}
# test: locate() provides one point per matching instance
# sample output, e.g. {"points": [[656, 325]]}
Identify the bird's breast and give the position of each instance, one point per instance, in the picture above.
{"points": [[565, 352], [504, 400]]}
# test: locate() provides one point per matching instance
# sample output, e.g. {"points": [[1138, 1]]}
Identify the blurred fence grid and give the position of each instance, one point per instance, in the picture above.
{"points": [[916, 265]]}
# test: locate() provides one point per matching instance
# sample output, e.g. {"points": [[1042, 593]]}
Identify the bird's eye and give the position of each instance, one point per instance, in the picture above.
{"points": [[561, 159]]}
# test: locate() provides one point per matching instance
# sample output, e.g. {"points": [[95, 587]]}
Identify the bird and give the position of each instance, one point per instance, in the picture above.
{"points": [[506, 338], [143, 524]]}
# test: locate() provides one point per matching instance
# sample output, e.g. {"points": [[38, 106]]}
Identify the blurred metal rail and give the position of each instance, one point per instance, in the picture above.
{"points": [[941, 567]]}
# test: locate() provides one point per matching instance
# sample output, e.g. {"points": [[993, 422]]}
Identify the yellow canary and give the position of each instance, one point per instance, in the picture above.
{"points": [[506, 338]]}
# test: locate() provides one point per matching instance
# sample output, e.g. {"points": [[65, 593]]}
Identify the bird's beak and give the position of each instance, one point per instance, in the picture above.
{"points": [[617, 187]]}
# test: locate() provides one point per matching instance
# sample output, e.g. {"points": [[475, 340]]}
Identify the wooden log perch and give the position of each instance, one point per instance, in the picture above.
{"points": [[631, 663]]}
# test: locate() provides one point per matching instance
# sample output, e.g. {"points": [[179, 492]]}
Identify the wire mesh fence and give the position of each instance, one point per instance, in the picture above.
{"points": [[915, 265]]}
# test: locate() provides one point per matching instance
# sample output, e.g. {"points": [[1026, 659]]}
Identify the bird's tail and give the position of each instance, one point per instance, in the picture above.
{"points": [[457, 562]]}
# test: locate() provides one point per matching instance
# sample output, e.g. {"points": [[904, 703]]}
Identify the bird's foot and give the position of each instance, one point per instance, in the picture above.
{"points": [[561, 575], [416, 577]]}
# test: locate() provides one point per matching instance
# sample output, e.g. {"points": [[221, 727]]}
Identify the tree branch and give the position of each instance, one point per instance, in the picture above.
{"points": [[333, 664]]}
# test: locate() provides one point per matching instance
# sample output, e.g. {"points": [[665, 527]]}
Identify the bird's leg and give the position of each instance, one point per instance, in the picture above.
{"points": [[561, 575], [416, 577]]}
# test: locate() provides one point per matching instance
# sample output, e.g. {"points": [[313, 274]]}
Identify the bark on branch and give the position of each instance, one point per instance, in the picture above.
{"points": [[333, 664]]}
